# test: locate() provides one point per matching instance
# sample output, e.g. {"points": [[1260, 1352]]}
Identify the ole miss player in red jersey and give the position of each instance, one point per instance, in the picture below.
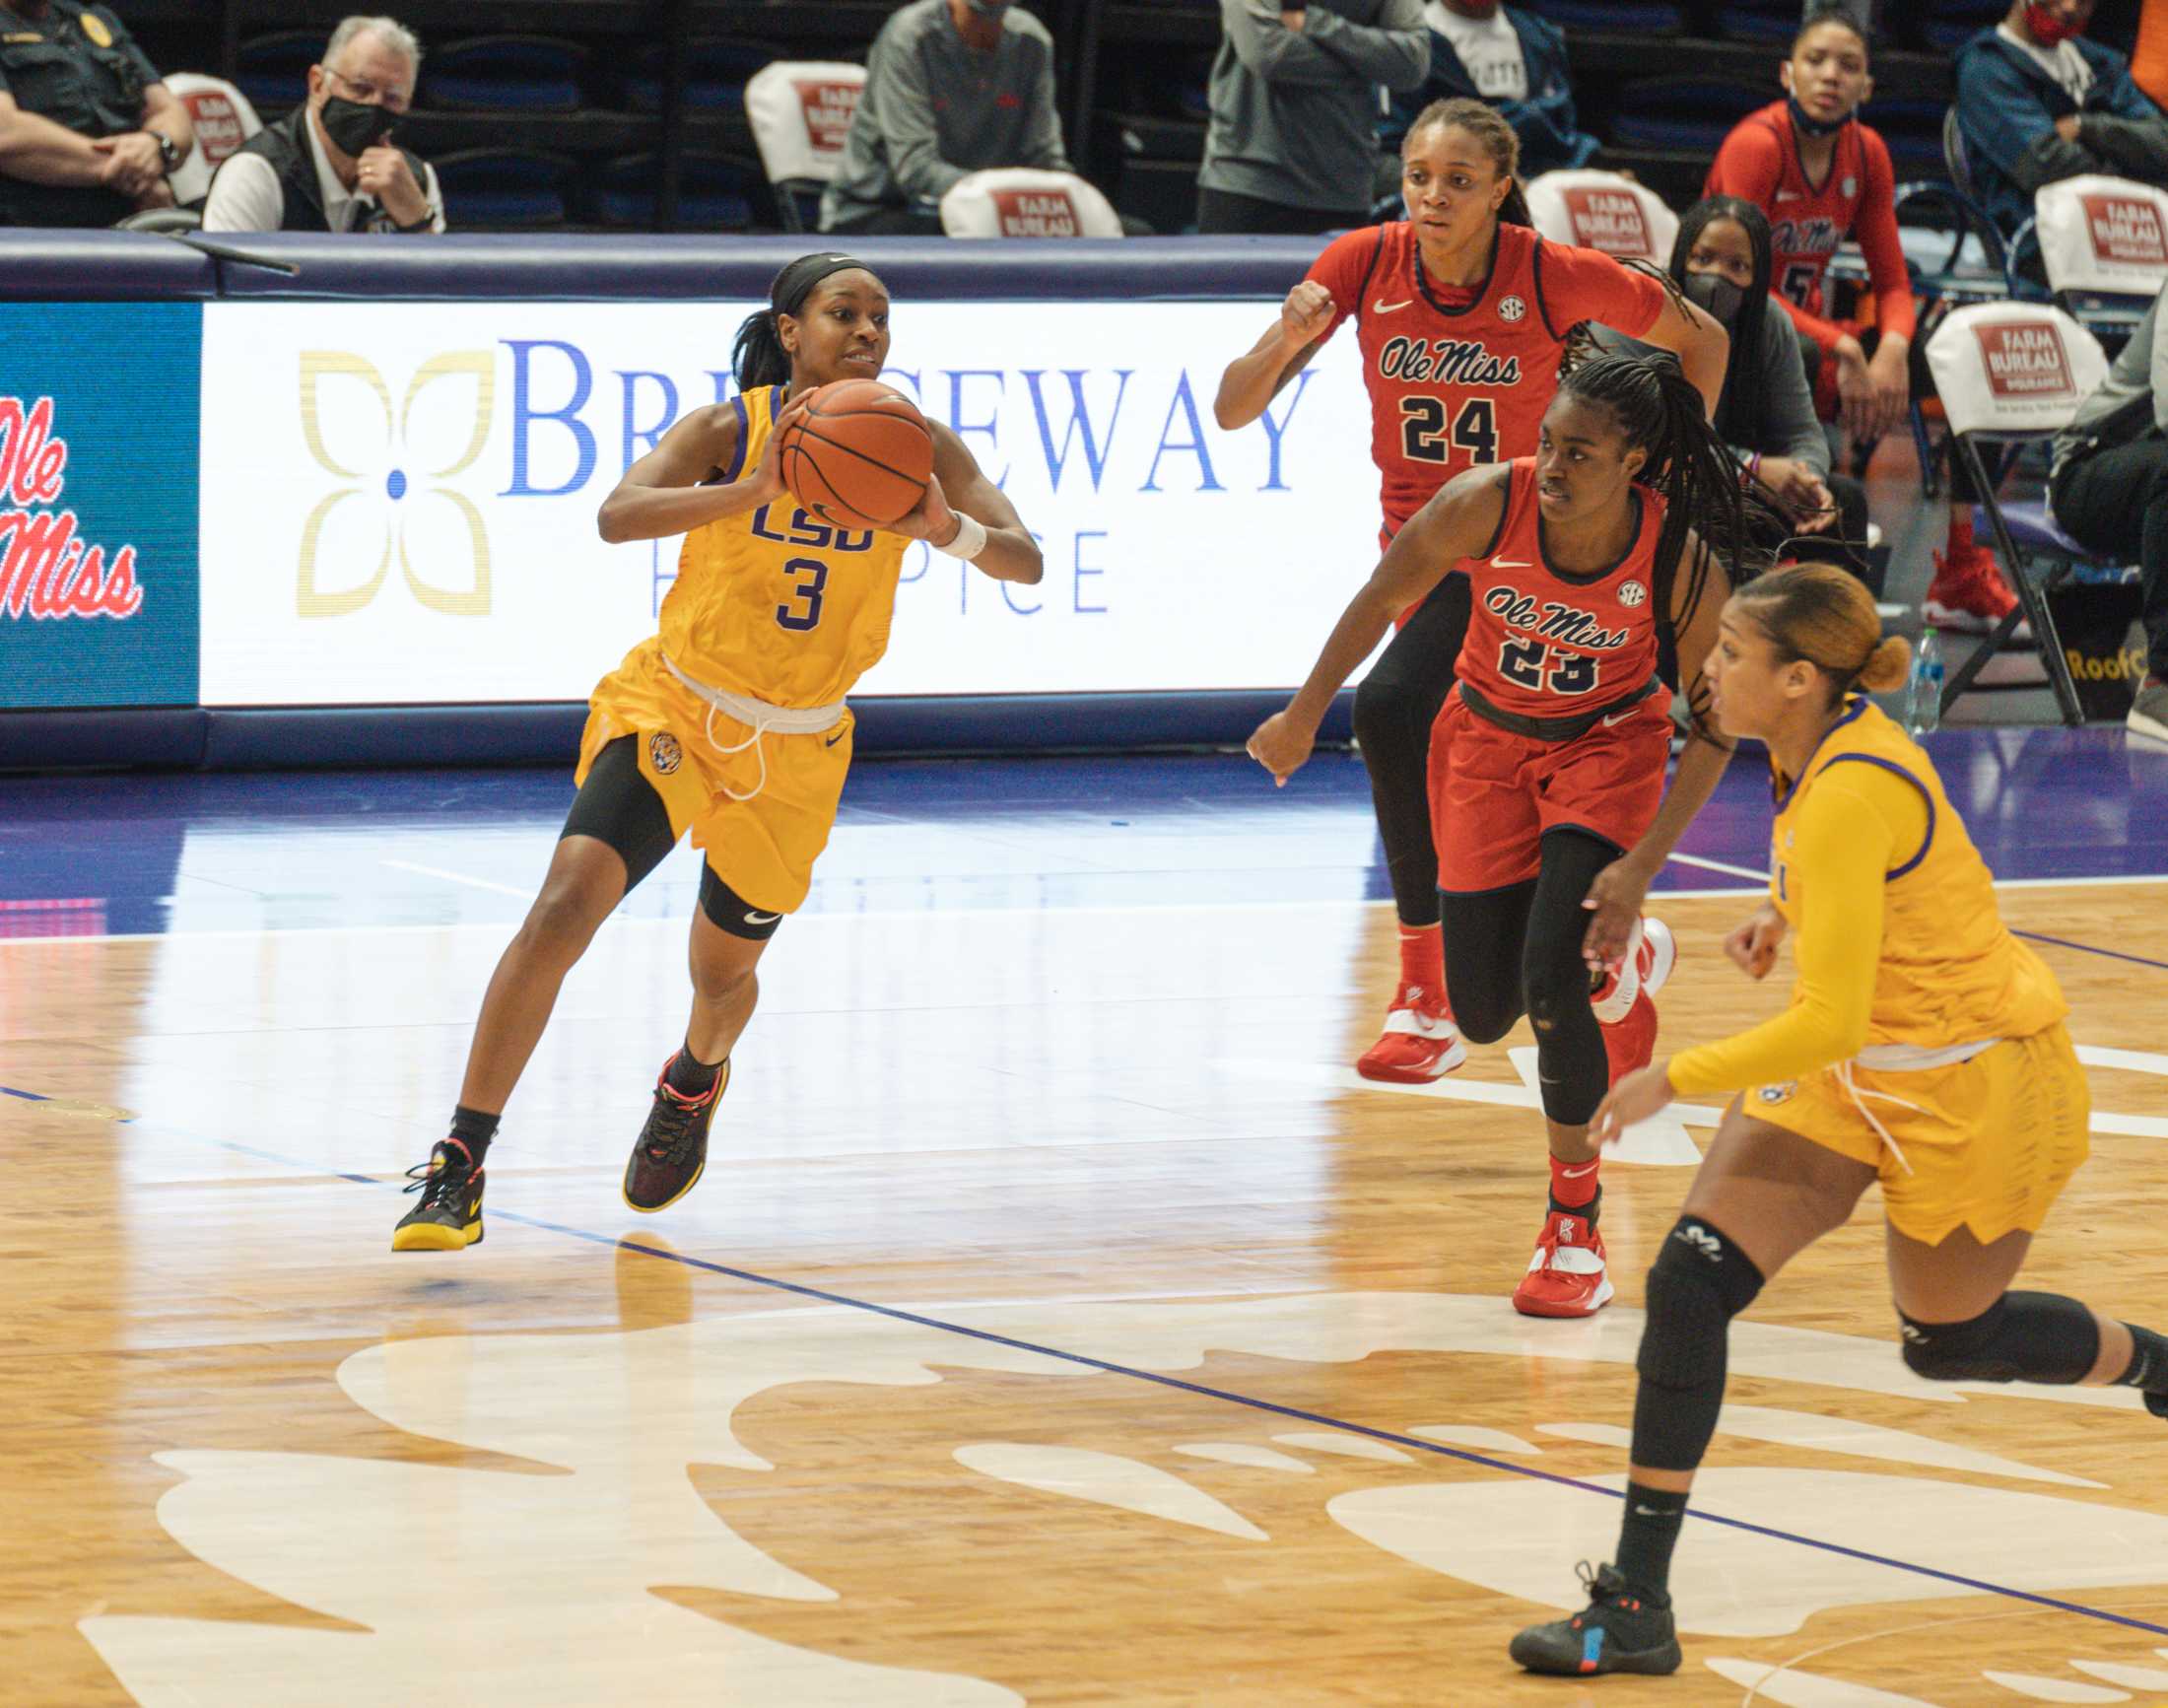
{"points": [[1821, 177], [1546, 779], [1463, 315]]}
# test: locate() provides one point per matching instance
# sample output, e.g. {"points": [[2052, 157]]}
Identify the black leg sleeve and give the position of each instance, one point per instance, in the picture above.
{"points": [[1571, 1061], [1394, 706], [1483, 936]]}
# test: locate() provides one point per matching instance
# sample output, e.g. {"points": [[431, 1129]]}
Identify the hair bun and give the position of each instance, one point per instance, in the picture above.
{"points": [[1887, 666]]}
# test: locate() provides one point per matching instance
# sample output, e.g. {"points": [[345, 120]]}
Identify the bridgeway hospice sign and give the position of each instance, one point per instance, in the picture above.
{"points": [[400, 498]]}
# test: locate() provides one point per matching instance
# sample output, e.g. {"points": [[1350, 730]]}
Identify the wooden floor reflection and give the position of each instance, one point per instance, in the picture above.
{"points": [[255, 1459]]}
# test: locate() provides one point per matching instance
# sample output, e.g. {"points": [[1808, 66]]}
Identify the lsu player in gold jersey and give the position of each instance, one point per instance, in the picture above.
{"points": [[728, 723], [1922, 1048]]}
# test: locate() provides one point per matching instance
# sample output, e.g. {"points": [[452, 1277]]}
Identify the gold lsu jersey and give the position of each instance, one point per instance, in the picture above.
{"points": [[1949, 971], [776, 603]]}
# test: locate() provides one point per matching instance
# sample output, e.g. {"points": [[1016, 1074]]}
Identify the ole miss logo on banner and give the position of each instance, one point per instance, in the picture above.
{"points": [[2126, 230], [1611, 221], [2026, 361], [98, 454]]}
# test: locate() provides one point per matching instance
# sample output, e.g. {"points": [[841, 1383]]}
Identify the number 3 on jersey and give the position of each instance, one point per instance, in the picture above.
{"points": [[808, 576], [1424, 437]]}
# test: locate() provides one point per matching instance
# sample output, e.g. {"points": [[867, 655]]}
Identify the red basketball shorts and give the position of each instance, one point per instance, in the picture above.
{"points": [[1494, 793]]}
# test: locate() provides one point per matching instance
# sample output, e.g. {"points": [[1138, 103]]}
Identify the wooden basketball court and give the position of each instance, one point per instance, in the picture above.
{"points": [[1059, 1320]]}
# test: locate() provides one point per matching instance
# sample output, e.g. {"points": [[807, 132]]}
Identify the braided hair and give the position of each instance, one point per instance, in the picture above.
{"points": [[1660, 413], [1739, 406], [1497, 138]]}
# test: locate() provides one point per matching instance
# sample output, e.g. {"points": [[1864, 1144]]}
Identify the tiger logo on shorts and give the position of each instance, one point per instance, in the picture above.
{"points": [[663, 752]]}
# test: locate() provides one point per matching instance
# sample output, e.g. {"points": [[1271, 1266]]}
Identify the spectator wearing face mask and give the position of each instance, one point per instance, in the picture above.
{"points": [[2038, 102], [1765, 414], [329, 165]]}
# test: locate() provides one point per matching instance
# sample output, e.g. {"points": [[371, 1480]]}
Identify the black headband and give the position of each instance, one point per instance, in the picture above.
{"points": [[787, 295]]}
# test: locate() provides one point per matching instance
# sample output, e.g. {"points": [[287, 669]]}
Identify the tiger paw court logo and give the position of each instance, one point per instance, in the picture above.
{"points": [[47, 572], [389, 508]]}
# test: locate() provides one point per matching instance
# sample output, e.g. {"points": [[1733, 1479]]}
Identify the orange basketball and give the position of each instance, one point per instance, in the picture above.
{"points": [[860, 457]]}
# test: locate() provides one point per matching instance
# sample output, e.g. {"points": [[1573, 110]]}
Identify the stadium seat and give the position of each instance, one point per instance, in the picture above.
{"points": [[505, 189], [1601, 210], [2010, 373], [273, 70], [1024, 202], [1681, 112], [715, 192], [715, 75], [801, 112], [1635, 15], [222, 118], [505, 73], [1950, 24]]}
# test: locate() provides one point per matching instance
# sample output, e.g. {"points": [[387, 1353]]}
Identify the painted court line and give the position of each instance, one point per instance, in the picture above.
{"points": [[1413, 1442]]}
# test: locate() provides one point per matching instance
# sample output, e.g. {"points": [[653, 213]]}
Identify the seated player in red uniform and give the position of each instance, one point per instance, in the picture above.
{"points": [[1547, 773], [1465, 316], [1821, 175]]}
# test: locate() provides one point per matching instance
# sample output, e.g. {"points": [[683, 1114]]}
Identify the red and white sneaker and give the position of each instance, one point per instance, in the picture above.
{"points": [[1969, 592], [1568, 1275], [1624, 1003], [1420, 1042]]}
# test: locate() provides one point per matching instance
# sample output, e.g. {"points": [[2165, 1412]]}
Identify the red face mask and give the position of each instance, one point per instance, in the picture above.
{"points": [[2048, 29]]}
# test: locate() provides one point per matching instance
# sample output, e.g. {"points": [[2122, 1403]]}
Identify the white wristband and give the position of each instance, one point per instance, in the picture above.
{"points": [[970, 540]]}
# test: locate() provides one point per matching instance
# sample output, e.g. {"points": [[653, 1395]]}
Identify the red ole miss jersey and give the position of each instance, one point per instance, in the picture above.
{"points": [[1543, 643], [1450, 386], [1759, 163]]}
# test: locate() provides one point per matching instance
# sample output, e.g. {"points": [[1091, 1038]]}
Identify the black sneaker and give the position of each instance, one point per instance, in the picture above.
{"points": [[1617, 1633], [2158, 1404], [449, 1217], [671, 1152]]}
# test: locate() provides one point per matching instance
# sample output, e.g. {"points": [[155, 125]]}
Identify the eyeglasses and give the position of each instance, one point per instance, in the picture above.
{"points": [[368, 94]]}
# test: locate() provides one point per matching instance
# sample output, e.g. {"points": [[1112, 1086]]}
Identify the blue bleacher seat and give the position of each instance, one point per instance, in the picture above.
{"points": [[273, 70], [1636, 15], [1759, 20], [715, 74], [715, 192], [1950, 23], [505, 189], [1681, 112], [519, 72]]}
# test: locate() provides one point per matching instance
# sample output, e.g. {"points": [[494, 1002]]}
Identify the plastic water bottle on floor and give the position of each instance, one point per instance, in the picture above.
{"points": [[1924, 691]]}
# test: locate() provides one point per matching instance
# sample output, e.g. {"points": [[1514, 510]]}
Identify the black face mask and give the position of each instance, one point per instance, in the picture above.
{"points": [[1716, 294], [1806, 124], [353, 127]]}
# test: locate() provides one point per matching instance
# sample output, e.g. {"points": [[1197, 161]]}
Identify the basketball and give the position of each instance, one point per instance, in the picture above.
{"points": [[860, 457]]}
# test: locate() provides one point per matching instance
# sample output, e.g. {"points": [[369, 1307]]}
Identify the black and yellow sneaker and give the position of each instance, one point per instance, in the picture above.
{"points": [[449, 1217], [1617, 1633], [671, 1152]]}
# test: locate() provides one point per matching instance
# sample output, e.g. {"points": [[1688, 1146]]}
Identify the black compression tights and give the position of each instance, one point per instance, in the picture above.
{"points": [[1518, 950], [1394, 706]]}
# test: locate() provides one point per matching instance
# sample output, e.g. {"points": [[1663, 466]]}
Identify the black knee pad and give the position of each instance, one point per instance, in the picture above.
{"points": [[2020, 1337], [1698, 1283]]}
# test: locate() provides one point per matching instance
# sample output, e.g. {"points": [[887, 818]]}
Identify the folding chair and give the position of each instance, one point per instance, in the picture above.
{"points": [[2010, 373], [801, 112], [2103, 244], [1601, 210], [224, 118], [1025, 202]]}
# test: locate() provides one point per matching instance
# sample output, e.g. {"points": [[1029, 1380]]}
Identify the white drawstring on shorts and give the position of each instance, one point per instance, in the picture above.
{"points": [[758, 717], [1900, 1058]]}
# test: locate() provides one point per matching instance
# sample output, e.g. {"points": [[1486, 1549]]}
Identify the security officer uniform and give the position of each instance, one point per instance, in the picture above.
{"points": [[77, 65]]}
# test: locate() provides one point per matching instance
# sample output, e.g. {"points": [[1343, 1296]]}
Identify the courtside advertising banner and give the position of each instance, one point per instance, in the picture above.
{"points": [[400, 498], [98, 503]]}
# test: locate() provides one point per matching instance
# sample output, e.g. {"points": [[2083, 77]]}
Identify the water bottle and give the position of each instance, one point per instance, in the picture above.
{"points": [[1924, 691]]}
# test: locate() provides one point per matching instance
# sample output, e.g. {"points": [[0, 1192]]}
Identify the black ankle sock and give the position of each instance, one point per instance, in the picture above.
{"points": [[1645, 1536], [474, 1130], [688, 1075], [2148, 1361]]}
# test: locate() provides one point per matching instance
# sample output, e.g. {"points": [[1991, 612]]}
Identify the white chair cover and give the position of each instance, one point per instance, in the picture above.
{"points": [[224, 118], [2103, 236], [801, 112], [2014, 368], [1601, 210], [1024, 202]]}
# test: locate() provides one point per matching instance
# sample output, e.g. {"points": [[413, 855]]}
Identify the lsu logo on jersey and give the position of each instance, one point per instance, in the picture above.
{"points": [[1446, 362], [1553, 621]]}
